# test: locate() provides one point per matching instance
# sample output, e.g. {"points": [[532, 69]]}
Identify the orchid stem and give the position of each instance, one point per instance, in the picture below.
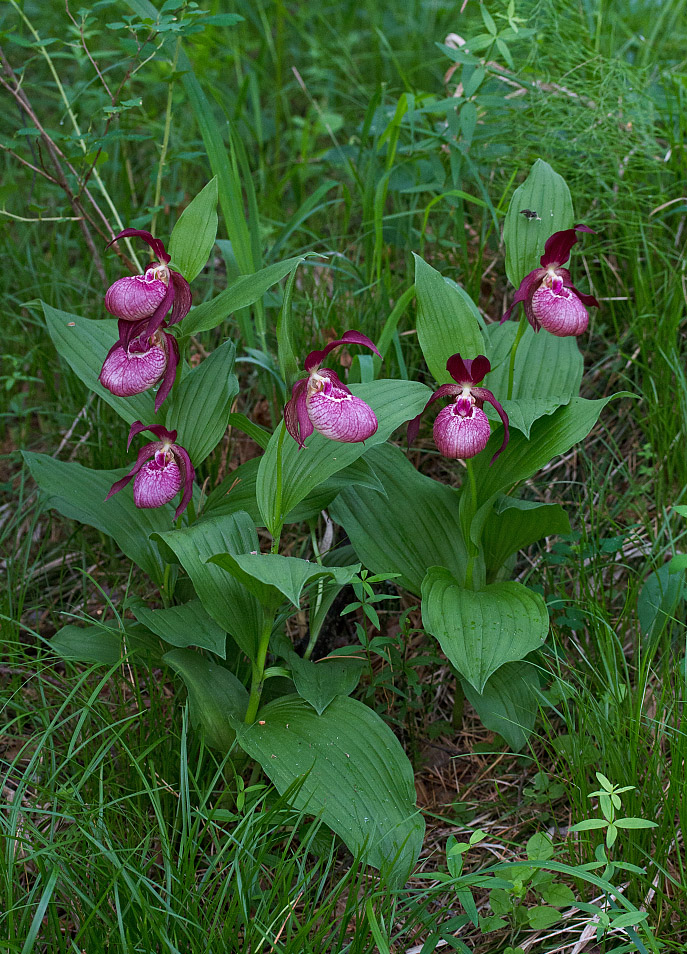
{"points": [[514, 350], [472, 549], [258, 673], [278, 495]]}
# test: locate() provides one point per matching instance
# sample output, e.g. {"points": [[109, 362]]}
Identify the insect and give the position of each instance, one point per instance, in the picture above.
{"points": [[529, 214]]}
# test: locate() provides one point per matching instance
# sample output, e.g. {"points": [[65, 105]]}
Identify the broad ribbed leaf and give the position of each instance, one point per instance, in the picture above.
{"points": [[394, 402], [355, 774], [482, 630], [228, 602], [549, 437], [195, 232], [545, 193], [84, 344], [514, 524], [79, 493], [237, 491], [658, 600], [271, 577], [546, 367], [185, 625], [416, 526], [322, 681], [447, 320], [200, 405], [215, 695], [508, 704], [103, 644], [243, 292]]}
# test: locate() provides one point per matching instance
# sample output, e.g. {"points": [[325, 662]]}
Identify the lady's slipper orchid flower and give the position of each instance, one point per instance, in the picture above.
{"points": [[136, 298], [549, 297], [321, 402], [140, 364], [462, 429], [161, 470]]}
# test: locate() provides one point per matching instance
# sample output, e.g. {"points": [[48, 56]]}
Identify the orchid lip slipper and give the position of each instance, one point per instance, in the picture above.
{"points": [[462, 429], [162, 469], [547, 293], [322, 402]]}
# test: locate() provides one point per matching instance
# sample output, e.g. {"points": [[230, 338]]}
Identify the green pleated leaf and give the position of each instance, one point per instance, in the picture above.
{"points": [[237, 491], [243, 292], [482, 630], [271, 577], [549, 437], [200, 405], [448, 321], [319, 683], [546, 367], [514, 524], [79, 493], [394, 402], [185, 625], [195, 232], [658, 600], [544, 192], [102, 643], [416, 526], [216, 696], [226, 600], [508, 703], [355, 774], [84, 344]]}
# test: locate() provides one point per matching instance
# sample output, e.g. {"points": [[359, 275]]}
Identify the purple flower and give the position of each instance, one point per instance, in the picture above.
{"points": [[162, 468], [462, 429], [139, 364], [321, 402], [148, 297], [549, 297]]}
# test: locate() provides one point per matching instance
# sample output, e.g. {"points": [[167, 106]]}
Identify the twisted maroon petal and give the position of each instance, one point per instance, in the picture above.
{"points": [[587, 300], [157, 318], [188, 475], [144, 454], [182, 298], [527, 288], [157, 429], [170, 370], [558, 245], [156, 244], [296, 417], [414, 425], [315, 358], [484, 394]]}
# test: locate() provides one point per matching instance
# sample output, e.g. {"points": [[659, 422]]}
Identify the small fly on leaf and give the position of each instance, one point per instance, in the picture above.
{"points": [[529, 214]]}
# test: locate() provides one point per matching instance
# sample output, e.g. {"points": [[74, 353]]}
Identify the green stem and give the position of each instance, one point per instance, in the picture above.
{"points": [[472, 549], [258, 669], [278, 495], [514, 350], [165, 139]]}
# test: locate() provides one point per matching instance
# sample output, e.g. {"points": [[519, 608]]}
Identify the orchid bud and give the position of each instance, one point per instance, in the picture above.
{"points": [[138, 296], [158, 481], [131, 370], [321, 402], [559, 310], [460, 433]]}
